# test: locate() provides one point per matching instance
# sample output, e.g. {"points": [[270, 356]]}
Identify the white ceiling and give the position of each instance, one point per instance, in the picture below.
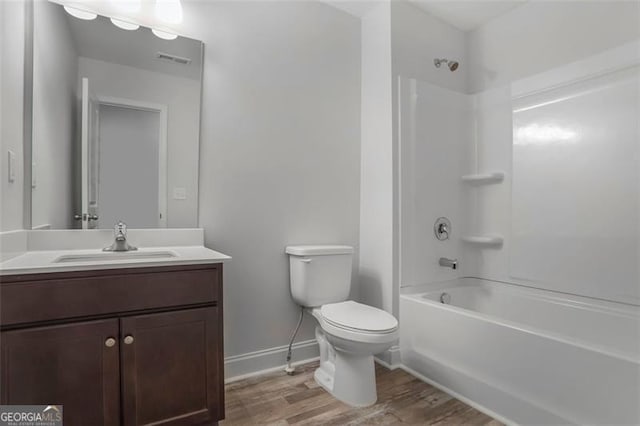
{"points": [[467, 15], [357, 8]]}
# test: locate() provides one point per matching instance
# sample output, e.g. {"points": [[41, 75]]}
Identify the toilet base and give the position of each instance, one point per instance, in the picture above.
{"points": [[348, 377]]}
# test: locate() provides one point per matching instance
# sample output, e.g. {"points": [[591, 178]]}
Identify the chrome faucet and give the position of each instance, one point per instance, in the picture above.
{"points": [[120, 243], [448, 263]]}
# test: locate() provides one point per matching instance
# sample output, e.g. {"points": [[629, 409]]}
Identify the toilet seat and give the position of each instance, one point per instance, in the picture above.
{"points": [[357, 317], [357, 322]]}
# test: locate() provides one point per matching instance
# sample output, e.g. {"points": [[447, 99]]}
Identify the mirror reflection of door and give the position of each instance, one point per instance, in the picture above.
{"points": [[126, 164], [129, 159]]}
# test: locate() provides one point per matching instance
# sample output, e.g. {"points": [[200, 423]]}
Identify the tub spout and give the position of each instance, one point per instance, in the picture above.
{"points": [[448, 263]]}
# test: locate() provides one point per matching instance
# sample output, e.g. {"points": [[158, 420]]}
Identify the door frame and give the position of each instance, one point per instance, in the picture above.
{"points": [[162, 109]]}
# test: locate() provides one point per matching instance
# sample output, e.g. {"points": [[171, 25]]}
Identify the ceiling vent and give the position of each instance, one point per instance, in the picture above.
{"points": [[173, 58]]}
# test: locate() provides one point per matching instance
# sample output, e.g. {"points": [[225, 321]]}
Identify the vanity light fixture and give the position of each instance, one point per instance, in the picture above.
{"points": [[127, 6], [169, 11], [80, 14], [124, 24], [164, 35]]}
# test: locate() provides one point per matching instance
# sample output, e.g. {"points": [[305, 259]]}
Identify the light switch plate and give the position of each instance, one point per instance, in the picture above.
{"points": [[11, 165], [179, 193]]}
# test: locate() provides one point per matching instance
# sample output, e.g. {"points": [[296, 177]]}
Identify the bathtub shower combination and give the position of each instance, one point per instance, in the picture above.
{"points": [[528, 355], [537, 183]]}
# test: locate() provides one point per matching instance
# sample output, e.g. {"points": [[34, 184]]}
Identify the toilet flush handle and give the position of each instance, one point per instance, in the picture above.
{"points": [[305, 260]]}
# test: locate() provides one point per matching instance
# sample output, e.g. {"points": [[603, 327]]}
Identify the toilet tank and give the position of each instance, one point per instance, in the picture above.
{"points": [[320, 274]]}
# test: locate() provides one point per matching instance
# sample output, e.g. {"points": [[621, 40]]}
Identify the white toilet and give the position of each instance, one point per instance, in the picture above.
{"points": [[348, 333]]}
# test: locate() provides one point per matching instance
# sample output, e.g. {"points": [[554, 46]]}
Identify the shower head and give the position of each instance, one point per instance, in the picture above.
{"points": [[452, 65]]}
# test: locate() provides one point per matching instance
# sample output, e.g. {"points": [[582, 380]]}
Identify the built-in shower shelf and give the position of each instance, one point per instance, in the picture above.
{"points": [[484, 178], [484, 240]]}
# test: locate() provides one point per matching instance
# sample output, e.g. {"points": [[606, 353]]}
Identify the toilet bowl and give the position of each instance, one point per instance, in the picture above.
{"points": [[348, 333], [347, 345]]}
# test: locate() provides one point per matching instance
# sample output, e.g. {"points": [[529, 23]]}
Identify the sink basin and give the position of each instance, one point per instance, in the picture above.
{"points": [[114, 255]]}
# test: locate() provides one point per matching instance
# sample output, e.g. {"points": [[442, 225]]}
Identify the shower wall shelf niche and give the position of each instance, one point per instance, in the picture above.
{"points": [[484, 178], [495, 241]]}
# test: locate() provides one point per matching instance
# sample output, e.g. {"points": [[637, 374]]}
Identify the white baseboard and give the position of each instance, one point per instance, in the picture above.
{"points": [[269, 370], [242, 366]]}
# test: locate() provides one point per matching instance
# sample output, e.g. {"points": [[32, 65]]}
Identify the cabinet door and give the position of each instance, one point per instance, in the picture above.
{"points": [[74, 365], [170, 368]]}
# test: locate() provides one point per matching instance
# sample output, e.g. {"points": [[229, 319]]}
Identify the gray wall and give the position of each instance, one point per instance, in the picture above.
{"points": [[55, 82], [376, 156], [502, 50], [417, 38], [280, 150]]}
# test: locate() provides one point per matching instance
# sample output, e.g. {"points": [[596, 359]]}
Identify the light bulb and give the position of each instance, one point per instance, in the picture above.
{"points": [[124, 24], [164, 35], [169, 11], [80, 14]]}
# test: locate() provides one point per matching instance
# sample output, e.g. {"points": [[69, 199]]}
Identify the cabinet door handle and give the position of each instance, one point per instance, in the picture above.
{"points": [[110, 342], [128, 339]]}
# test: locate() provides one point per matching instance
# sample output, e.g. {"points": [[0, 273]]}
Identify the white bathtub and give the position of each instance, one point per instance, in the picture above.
{"points": [[526, 356]]}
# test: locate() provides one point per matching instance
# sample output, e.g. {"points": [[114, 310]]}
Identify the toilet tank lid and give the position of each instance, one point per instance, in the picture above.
{"points": [[318, 250]]}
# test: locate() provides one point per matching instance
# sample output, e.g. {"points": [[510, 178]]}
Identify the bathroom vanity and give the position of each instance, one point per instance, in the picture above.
{"points": [[128, 336], [115, 341]]}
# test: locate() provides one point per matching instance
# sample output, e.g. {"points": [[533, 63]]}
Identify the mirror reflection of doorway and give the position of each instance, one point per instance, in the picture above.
{"points": [[129, 172], [124, 162]]}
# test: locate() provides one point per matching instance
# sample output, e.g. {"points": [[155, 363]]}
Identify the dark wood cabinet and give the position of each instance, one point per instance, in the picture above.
{"points": [[65, 364], [146, 352], [169, 368]]}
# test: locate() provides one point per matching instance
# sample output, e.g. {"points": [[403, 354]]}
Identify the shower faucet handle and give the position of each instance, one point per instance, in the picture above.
{"points": [[442, 228]]}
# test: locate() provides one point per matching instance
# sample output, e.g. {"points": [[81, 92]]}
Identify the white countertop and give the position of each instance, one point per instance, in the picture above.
{"points": [[44, 251], [44, 261]]}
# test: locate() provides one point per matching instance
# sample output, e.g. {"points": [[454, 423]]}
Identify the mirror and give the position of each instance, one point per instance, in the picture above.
{"points": [[116, 124]]}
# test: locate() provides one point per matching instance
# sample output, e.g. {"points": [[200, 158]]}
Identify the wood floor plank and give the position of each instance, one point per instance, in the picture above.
{"points": [[304, 394], [278, 399], [314, 412]]}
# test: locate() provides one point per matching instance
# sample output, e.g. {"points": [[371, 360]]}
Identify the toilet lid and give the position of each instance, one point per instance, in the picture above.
{"points": [[357, 316]]}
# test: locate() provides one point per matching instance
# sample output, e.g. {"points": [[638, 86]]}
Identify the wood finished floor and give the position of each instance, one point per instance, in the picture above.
{"points": [[278, 399]]}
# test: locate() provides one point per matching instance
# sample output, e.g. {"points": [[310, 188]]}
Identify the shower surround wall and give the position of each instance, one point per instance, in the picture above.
{"points": [[595, 169], [435, 151], [501, 67]]}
